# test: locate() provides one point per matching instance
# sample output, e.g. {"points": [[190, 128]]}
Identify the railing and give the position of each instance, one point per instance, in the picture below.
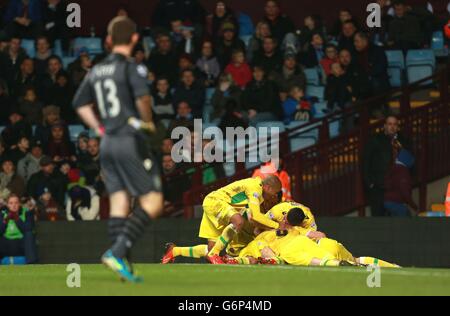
{"points": [[327, 176]]}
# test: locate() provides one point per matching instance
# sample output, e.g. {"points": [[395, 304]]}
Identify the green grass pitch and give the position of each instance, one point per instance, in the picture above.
{"points": [[208, 280]]}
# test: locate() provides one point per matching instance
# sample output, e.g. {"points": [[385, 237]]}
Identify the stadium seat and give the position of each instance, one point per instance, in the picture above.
{"points": [[312, 76], [207, 111], [29, 47], [13, 261], [272, 125], [320, 109], [209, 94], [315, 91], [335, 127], [438, 44], [93, 44], [299, 143], [57, 48], [420, 64], [396, 68], [67, 61], [75, 131], [2, 128]]}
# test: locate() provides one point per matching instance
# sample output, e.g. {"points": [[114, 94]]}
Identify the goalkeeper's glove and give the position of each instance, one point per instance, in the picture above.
{"points": [[141, 125]]}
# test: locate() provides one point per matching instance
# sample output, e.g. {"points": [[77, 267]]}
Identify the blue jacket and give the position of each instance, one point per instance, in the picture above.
{"points": [[290, 109], [15, 9]]}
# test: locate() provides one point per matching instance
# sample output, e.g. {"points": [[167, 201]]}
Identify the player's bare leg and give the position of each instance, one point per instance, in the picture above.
{"points": [[369, 261]]}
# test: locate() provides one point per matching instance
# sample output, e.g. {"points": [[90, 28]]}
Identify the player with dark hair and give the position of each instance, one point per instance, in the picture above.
{"points": [[118, 88]]}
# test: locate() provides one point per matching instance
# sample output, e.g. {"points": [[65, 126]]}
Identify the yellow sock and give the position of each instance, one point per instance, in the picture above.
{"points": [[191, 252], [222, 242], [377, 262], [244, 261]]}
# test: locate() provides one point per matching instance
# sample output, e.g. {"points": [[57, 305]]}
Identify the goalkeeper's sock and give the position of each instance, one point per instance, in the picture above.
{"points": [[376, 262], [228, 233], [115, 228], [133, 229], [196, 252]]}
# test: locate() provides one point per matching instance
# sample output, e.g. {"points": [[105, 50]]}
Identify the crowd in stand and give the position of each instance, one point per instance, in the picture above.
{"points": [[248, 72]]}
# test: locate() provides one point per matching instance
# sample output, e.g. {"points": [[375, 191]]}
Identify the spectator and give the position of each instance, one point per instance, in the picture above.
{"points": [[82, 146], [16, 231], [80, 69], [48, 187], [185, 63], [398, 185], [11, 59], [183, 37], [345, 15], [16, 129], [49, 81], [55, 23], [139, 55], [291, 74], [30, 164], [297, 107], [225, 91], [161, 62], [282, 27], [233, 117], [184, 117], [6, 103], [347, 38], [62, 95], [10, 181], [404, 30], [338, 91], [270, 57], [19, 150], [239, 69], [373, 61], [43, 53], [51, 115], [83, 204], [166, 146], [91, 164], [222, 14], [331, 57], [312, 25], [30, 106], [380, 153], [208, 65], [2, 151], [359, 82], [185, 10], [261, 98], [24, 78], [192, 92], [227, 44], [256, 43], [315, 52], [163, 107], [59, 147], [24, 19]]}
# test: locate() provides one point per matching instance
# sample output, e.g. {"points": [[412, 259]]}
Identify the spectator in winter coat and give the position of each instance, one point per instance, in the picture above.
{"points": [[239, 70], [30, 164]]}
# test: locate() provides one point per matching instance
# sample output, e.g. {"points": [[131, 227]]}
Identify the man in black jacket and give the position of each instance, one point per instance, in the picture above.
{"points": [[380, 153], [48, 181], [373, 61], [167, 11]]}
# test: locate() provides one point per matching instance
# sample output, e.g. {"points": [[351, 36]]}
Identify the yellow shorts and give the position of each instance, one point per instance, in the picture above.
{"points": [[242, 239], [216, 216], [336, 249], [300, 251], [254, 249]]}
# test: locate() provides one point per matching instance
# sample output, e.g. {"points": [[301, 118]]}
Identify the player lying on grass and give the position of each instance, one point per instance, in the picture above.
{"points": [[309, 229], [228, 214]]}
